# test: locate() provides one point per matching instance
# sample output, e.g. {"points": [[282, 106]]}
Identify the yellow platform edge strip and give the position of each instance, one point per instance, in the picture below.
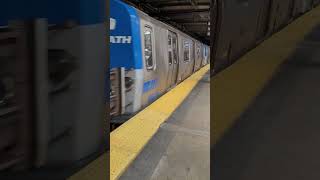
{"points": [[236, 87], [127, 141]]}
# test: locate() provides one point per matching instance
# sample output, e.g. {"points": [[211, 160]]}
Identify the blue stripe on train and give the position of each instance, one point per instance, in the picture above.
{"points": [[149, 85]]}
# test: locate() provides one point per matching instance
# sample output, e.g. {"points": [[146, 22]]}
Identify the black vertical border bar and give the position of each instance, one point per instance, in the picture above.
{"points": [[211, 31], [107, 84], [215, 23], [211, 72]]}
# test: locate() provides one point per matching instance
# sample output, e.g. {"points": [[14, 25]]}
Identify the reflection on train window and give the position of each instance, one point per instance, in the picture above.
{"points": [[148, 48], [198, 52], [186, 51]]}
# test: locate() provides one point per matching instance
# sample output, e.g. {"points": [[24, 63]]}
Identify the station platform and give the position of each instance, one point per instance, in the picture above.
{"points": [[180, 149], [266, 108], [164, 131]]}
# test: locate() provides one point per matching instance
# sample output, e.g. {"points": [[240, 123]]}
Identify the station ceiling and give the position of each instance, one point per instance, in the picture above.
{"points": [[190, 16]]}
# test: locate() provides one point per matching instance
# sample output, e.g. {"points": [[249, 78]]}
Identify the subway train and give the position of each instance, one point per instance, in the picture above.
{"points": [[52, 68], [147, 58], [239, 25]]}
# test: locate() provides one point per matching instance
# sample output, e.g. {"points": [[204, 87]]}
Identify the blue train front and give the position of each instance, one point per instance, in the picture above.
{"points": [[125, 59], [52, 69]]}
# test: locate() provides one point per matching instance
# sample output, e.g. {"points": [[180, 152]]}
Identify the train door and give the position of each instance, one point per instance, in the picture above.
{"points": [[173, 60], [150, 71], [185, 63], [205, 57], [170, 61], [194, 56], [198, 57], [202, 55], [195, 49]]}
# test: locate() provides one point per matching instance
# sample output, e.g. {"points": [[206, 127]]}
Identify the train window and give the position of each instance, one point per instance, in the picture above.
{"points": [[186, 51], [148, 48]]}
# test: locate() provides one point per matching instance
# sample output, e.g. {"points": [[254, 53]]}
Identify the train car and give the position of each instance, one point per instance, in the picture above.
{"points": [[241, 25], [52, 67], [148, 57]]}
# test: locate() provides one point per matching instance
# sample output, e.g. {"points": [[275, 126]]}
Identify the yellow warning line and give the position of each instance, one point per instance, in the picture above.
{"points": [[127, 141], [236, 87]]}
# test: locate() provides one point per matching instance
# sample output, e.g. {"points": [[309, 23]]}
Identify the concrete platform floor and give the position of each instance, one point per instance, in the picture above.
{"points": [[181, 147]]}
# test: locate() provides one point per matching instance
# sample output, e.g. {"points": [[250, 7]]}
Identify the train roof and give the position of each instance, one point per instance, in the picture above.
{"points": [[83, 12]]}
